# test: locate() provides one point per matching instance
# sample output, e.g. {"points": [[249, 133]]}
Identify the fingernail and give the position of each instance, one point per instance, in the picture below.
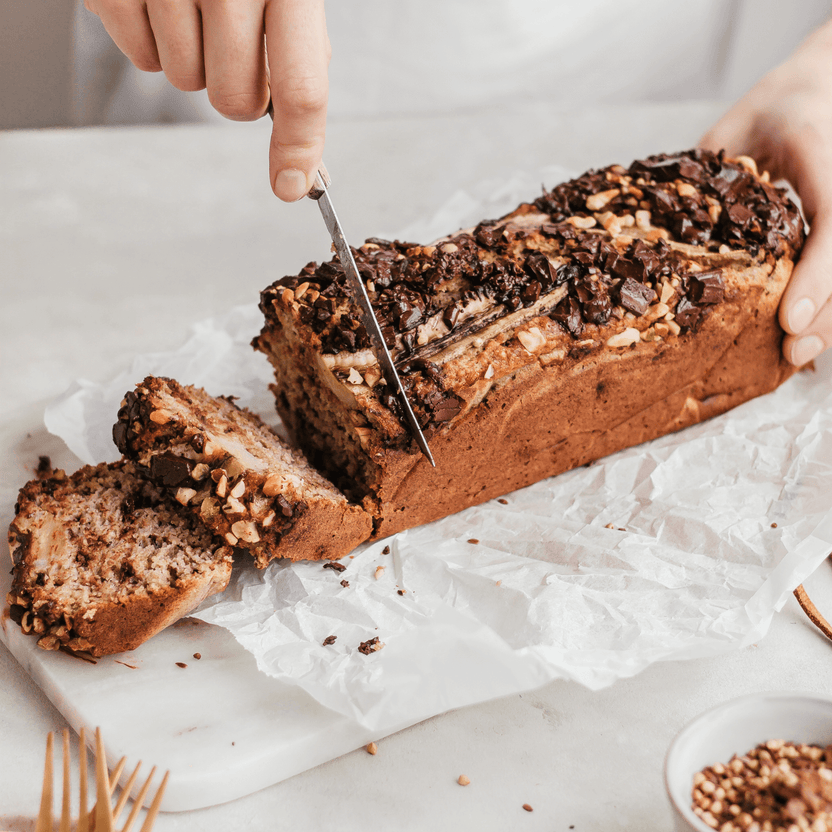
{"points": [[290, 185], [801, 315], [805, 349]]}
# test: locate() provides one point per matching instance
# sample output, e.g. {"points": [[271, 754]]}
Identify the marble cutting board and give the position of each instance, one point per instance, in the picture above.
{"points": [[223, 729]]}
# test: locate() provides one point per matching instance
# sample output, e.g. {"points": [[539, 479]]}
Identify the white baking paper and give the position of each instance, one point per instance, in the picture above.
{"points": [[681, 548]]}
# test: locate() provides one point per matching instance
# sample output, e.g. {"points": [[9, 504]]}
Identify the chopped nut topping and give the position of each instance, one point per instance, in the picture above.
{"points": [[623, 339], [238, 490], [596, 202], [532, 339]]}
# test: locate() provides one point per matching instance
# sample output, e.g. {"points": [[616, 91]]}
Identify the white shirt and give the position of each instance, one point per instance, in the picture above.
{"points": [[436, 56]]}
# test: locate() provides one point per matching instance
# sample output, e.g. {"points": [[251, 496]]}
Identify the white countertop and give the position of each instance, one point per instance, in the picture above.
{"points": [[112, 242]]}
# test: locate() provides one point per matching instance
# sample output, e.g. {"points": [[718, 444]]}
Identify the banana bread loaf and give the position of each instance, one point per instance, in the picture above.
{"points": [[103, 560], [615, 308], [239, 478]]}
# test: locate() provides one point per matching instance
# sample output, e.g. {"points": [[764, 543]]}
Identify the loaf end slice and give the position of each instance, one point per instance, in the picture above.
{"points": [[103, 560], [236, 475]]}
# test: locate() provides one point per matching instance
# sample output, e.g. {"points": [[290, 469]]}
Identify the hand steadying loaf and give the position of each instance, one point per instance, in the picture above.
{"points": [[785, 122]]}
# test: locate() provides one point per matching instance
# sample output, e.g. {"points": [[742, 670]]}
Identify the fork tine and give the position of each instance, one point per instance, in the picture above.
{"points": [[115, 774], [137, 803], [125, 792], [103, 818], [66, 819], [83, 819], [44, 821], [154, 807]]}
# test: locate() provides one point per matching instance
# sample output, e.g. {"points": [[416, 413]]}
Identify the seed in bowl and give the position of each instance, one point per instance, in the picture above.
{"points": [[778, 786]]}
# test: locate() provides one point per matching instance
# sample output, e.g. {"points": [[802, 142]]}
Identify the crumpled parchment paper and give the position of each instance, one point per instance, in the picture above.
{"points": [[680, 548]]}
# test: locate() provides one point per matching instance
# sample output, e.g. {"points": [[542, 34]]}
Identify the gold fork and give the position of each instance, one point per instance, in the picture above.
{"points": [[102, 817]]}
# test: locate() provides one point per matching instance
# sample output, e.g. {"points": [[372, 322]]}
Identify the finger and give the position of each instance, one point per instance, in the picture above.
{"points": [[298, 50], [128, 25], [235, 59], [177, 28], [809, 344]]}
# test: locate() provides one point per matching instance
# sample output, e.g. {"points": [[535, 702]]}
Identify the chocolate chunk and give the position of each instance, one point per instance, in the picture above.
{"points": [[170, 470], [487, 233], [285, 506], [450, 316], [334, 565], [369, 646], [635, 296], [688, 314], [568, 314], [706, 287]]}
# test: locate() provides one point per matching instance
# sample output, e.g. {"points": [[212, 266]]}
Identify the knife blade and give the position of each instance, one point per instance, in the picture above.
{"points": [[320, 193]]}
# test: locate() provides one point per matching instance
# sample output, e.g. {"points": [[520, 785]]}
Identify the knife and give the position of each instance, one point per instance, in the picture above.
{"points": [[320, 193]]}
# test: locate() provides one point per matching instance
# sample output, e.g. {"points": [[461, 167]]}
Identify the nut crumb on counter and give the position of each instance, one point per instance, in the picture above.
{"points": [[527, 807], [372, 748], [463, 780]]}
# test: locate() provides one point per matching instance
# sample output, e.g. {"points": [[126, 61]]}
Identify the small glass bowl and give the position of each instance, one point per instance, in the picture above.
{"points": [[736, 727]]}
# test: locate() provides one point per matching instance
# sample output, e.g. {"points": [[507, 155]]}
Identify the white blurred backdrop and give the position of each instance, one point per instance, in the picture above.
{"points": [[58, 67]]}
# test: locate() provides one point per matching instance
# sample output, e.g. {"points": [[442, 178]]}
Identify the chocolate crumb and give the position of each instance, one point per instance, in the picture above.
{"points": [[400, 591], [502, 501], [181, 664], [527, 807], [774, 525], [329, 640], [333, 564], [385, 550], [345, 583], [369, 646], [44, 469], [473, 540], [197, 656]]}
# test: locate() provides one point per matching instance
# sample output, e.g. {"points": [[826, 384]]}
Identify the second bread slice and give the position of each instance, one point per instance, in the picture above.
{"points": [[236, 474]]}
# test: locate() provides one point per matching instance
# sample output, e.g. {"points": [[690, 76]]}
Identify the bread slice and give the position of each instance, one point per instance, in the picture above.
{"points": [[103, 560], [618, 307], [236, 475]]}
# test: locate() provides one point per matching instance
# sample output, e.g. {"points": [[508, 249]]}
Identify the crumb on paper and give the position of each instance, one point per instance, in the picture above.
{"points": [[502, 501], [372, 748], [334, 565], [44, 468], [385, 550], [527, 807], [473, 540], [181, 664], [197, 656], [345, 583], [329, 640], [372, 645], [379, 572], [463, 780]]}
